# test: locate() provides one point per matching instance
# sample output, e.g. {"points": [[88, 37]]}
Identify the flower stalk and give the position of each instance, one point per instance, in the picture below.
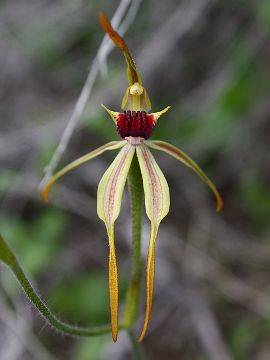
{"points": [[136, 196]]}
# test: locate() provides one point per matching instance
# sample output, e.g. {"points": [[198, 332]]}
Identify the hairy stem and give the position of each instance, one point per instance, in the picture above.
{"points": [[8, 258], [136, 193]]}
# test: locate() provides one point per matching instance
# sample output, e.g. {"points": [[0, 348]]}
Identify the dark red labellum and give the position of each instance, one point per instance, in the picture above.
{"points": [[135, 123]]}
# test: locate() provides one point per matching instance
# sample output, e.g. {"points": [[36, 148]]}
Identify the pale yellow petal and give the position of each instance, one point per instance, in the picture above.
{"points": [[125, 99], [150, 273], [113, 145], [158, 114], [113, 114], [185, 159], [113, 285], [109, 199], [157, 198], [147, 100], [157, 204], [111, 186]]}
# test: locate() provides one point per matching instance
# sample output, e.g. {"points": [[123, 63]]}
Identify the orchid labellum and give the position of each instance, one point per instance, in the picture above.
{"points": [[135, 125]]}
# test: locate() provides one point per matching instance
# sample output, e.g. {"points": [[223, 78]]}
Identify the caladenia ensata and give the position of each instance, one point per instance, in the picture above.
{"points": [[135, 125]]}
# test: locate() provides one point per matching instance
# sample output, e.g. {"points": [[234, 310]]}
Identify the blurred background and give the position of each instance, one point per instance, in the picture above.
{"points": [[209, 60]]}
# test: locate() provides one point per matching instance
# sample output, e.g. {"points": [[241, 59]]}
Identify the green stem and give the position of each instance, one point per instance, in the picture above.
{"points": [[136, 194], [8, 257]]}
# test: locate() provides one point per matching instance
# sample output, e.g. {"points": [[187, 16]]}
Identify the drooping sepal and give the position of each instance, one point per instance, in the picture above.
{"points": [[133, 74], [113, 283], [109, 199], [157, 204], [185, 159], [135, 97], [113, 145]]}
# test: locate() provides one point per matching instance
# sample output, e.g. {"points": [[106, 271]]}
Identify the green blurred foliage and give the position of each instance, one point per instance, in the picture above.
{"points": [[37, 241], [91, 348], [90, 301], [246, 336], [255, 194]]}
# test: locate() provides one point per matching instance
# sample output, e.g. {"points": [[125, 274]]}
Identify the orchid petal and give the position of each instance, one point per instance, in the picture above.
{"points": [[125, 99], [147, 100], [113, 114], [157, 203], [109, 199], [138, 100], [184, 158], [158, 114], [113, 145]]}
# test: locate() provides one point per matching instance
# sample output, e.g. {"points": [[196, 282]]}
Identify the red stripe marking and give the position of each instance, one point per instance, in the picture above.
{"points": [[114, 183], [154, 186]]}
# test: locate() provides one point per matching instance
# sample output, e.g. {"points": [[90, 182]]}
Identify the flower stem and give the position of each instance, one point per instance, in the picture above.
{"points": [[8, 258], [136, 193]]}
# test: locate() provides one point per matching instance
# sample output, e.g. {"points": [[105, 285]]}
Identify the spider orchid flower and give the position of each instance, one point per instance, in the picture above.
{"points": [[135, 126]]}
